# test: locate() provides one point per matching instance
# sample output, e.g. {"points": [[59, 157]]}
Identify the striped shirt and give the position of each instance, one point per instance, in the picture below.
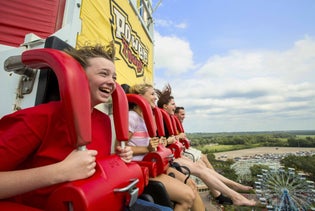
{"points": [[139, 130]]}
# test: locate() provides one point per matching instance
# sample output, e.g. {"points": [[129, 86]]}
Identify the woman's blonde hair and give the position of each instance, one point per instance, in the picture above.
{"points": [[140, 88]]}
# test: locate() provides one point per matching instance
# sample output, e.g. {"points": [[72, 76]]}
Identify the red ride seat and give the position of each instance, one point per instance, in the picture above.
{"points": [[176, 147], [180, 129]]}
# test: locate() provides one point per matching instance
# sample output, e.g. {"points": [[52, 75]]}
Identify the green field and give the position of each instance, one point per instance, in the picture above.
{"points": [[213, 143], [304, 136], [224, 148]]}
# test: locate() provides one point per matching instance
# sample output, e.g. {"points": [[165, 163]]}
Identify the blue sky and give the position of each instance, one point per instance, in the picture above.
{"points": [[245, 65]]}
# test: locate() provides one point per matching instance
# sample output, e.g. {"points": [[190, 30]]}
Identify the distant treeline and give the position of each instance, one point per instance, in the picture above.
{"points": [[294, 132], [280, 139], [301, 163]]}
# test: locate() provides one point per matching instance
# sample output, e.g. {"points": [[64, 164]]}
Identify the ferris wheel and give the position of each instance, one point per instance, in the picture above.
{"points": [[285, 190]]}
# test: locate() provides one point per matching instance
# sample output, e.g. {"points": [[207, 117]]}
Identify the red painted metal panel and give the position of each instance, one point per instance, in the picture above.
{"points": [[20, 17]]}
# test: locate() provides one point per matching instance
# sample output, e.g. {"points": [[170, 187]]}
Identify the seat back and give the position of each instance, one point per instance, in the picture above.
{"points": [[180, 129], [159, 121], [146, 112], [48, 88], [120, 113], [176, 147], [178, 124], [167, 121]]}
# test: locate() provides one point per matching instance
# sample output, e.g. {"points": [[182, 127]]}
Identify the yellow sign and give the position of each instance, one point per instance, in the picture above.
{"points": [[107, 20]]}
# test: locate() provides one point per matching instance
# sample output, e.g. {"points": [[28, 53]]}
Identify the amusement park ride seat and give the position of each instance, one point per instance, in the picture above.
{"points": [[100, 191], [180, 129], [176, 147]]}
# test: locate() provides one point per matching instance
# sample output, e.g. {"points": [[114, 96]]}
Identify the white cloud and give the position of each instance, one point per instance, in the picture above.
{"points": [[181, 25], [163, 23], [292, 64], [242, 90], [169, 23], [172, 54]]}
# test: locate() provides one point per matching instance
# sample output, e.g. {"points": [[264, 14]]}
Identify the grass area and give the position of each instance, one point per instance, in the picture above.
{"points": [[304, 136], [224, 148], [210, 143]]}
